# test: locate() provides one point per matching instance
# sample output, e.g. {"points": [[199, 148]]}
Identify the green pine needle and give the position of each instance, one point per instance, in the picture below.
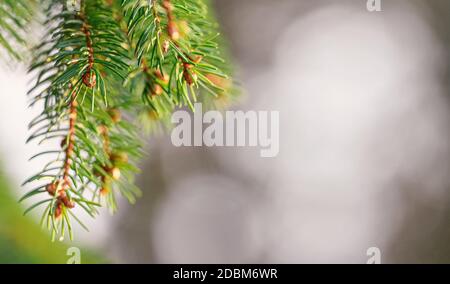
{"points": [[105, 70]]}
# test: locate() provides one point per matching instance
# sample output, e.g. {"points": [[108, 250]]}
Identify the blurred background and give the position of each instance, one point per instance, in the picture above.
{"points": [[364, 149]]}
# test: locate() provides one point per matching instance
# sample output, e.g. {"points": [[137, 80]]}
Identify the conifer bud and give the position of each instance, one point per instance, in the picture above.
{"points": [[104, 190], [51, 188], [115, 173], [153, 115], [119, 157], [68, 203], [102, 129], [218, 81], [64, 199], [90, 79], [73, 115], [157, 89], [167, 5], [173, 31], [58, 209], [187, 74], [115, 115], [160, 76]]}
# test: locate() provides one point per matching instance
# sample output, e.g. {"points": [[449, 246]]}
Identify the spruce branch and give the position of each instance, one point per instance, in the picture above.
{"points": [[177, 53], [81, 59], [104, 69]]}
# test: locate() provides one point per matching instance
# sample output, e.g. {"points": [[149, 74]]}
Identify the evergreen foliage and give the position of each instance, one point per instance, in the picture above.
{"points": [[14, 18], [103, 66]]}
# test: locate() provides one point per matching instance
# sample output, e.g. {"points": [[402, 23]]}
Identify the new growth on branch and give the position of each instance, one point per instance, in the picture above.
{"points": [[105, 70]]}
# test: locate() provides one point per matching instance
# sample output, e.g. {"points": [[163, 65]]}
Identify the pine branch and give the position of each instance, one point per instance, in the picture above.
{"points": [[84, 56], [177, 54], [101, 63]]}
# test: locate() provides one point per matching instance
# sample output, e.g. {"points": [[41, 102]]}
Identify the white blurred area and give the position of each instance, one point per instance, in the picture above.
{"points": [[364, 127], [363, 107]]}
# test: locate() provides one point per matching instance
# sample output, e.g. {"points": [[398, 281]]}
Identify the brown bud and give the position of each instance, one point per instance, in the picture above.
{"points": [[102, 129], [188, 78], [58, 209], [153, 115], [115, 114], [167, 5], [64, 199], [62, 195], [157, 89], [51, 188], [162, 77], [218, 81], [73, 115], [173, 31], [104, 191], [89, 79], [68, 203]]}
